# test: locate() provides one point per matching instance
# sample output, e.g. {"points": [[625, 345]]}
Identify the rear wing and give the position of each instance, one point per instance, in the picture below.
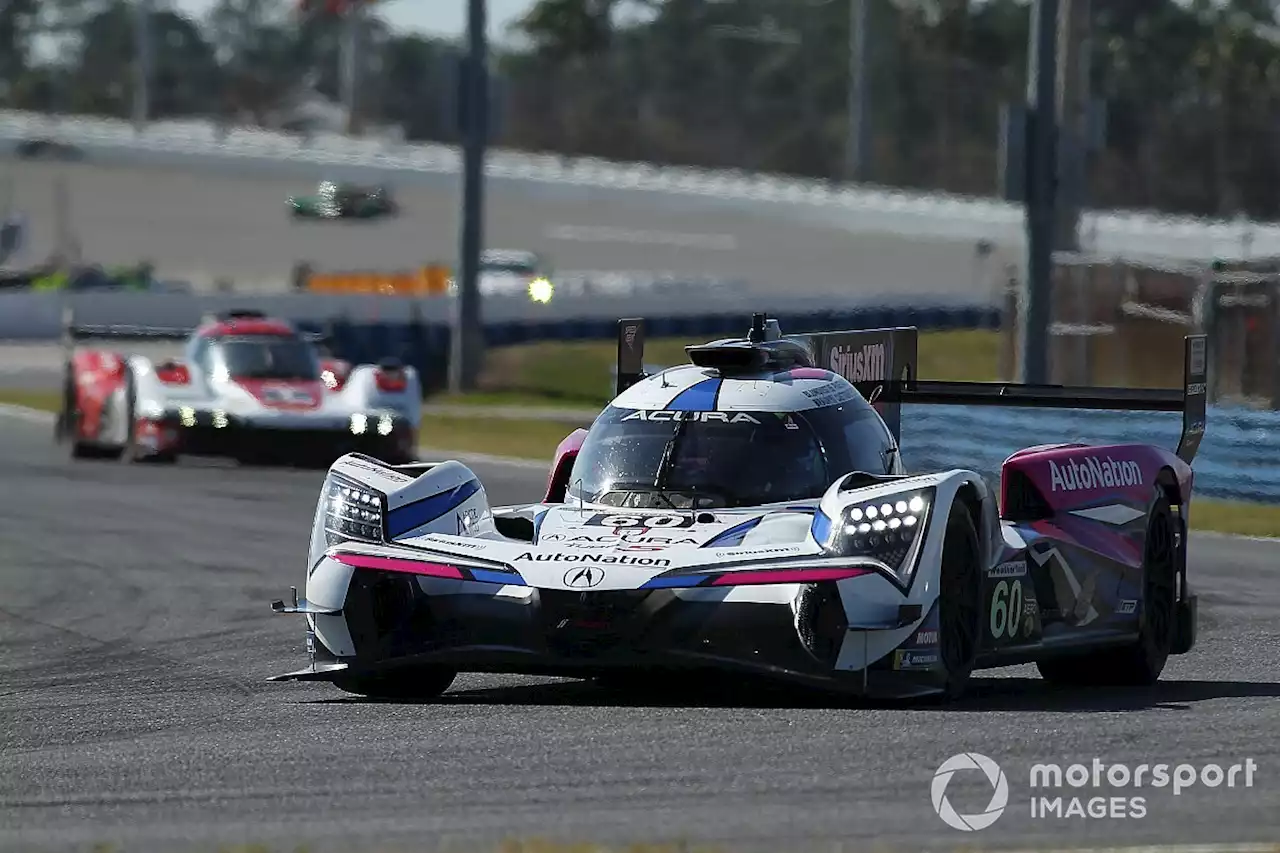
{"points": [[882, 365], [73, 332]]}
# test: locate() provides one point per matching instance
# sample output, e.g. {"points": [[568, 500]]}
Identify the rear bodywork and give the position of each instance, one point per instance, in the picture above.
{"points": [[147, 408], [411, 567]]}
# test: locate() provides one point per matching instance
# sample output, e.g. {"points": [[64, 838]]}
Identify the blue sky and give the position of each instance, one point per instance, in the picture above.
{"points": [[438, 17]]}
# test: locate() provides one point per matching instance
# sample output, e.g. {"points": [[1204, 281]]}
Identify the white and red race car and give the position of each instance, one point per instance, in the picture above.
{"points": [[247, 387]]}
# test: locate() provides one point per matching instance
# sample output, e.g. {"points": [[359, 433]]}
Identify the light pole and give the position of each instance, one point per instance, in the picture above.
{"points": [[142, 64], [466, 341], [858, 135], [1033, 340]]}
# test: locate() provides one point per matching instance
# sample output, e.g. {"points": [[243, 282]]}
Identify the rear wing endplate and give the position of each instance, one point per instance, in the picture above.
{"points": [[882, 365], [630, 353]]}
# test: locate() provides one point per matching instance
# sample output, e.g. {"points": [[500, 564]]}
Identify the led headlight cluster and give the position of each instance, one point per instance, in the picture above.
{"points": [[351, 511], [886, 528]]}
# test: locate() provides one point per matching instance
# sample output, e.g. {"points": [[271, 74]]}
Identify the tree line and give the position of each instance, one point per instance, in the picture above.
{"points": [[1188, 90]]}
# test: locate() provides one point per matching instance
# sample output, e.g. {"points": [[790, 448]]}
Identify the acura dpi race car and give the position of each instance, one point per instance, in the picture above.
{"points": [[750, 512], [247, 387]]}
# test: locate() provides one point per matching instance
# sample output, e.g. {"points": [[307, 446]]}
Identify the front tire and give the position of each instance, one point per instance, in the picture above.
{"points": [[959, 601], [1139, 664], [415, 684]]}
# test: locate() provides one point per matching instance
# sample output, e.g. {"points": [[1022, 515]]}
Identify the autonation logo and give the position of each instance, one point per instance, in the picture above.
{"points": [[1093, 791]]}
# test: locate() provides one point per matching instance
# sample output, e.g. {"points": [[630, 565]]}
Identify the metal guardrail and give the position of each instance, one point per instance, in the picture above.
{"points": [[1239, 459], [925, 214]]}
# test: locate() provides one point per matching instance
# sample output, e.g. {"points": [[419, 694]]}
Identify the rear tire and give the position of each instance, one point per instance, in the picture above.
{"points": [[1139, 664], [959, 601], [415, 684]]}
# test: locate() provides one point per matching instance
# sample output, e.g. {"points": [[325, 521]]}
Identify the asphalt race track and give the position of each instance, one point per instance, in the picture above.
{"points": [[135, 637], [196, 225]]}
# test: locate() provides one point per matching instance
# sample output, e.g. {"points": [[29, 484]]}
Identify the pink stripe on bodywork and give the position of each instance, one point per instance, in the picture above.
{"points": [[394, 564], [763, 576]]}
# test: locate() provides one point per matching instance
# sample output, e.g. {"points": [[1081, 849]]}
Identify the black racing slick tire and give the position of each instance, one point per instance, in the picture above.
{"points": [[959, 601], [410, 685], [1140, 663]]}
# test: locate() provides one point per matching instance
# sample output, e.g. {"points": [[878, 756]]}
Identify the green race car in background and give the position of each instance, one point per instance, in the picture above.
{"points": [[333, 200]]}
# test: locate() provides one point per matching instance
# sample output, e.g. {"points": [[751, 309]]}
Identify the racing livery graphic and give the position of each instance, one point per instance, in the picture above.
{"points": [[750, 512], [248, 387]]}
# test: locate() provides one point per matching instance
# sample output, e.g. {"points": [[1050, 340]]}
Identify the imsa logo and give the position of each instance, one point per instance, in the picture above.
{"points": [[1094, 473]]}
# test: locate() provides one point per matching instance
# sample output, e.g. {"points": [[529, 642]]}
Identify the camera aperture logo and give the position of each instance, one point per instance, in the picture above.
{"points": [[1112, 787], [999, 795]]}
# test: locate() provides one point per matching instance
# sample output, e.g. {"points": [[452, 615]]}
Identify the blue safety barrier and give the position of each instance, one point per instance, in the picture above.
{"points": [[1239, 458]]}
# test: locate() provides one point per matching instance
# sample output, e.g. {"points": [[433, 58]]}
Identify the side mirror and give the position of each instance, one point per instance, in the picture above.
{"points": [[566, 455]]}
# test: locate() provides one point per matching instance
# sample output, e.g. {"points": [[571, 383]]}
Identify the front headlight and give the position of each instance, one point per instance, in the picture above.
{"points": [[351, 511], [887, 529]]}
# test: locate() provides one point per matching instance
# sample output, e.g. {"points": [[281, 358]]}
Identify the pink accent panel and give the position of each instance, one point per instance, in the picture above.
{"points": [[768, 576], [393, 564], [566, 453], [1073, 476], [810, 373]]}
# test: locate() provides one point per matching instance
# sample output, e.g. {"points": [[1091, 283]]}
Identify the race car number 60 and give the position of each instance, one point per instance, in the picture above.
{"points": [[642, 521], [1006, 608]]}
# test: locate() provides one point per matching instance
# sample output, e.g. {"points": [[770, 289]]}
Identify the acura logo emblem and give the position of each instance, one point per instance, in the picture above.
{"points": [[583, 578]]}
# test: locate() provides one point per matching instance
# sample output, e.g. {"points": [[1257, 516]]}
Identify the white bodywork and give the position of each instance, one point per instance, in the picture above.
{"points": [[358, 406], [464, 533]]}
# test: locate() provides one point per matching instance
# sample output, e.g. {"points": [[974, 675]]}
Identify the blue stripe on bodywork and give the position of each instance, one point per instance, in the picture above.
{"points": [[734, 535], [697, 398], [418, 513], [537, 525], [488, 576], [821, 526], [675, 581]]}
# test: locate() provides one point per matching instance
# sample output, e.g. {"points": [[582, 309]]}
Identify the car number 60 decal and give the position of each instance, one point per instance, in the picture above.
{"points": [[1006, 609], [622, 520]]}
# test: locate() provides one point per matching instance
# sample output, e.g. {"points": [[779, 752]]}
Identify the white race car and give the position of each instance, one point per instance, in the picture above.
{"points": [[511, 272], [750, 513], [247, 387]]}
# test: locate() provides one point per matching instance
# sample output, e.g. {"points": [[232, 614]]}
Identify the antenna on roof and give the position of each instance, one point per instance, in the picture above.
{"points": [[763, 329]]}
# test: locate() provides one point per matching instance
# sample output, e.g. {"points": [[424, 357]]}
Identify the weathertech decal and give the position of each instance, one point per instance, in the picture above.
{"points": [[1094, 473], [699, 417], [859, 364]]}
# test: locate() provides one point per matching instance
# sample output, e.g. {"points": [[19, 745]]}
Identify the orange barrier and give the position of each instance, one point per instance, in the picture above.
{"points": [[426, 281]]}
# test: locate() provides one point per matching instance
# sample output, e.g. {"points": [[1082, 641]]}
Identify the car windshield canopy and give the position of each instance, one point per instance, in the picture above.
{"points": [[691, 460], [509, 263], [262, 357]]}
